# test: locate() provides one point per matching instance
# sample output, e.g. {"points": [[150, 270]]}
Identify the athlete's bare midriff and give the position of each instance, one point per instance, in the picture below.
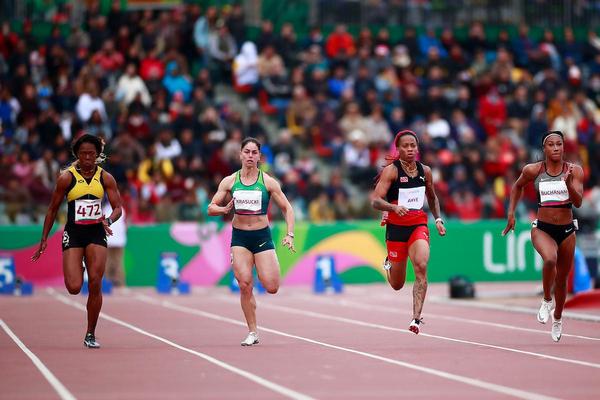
{"points": [[250, 222], [556, 216]]}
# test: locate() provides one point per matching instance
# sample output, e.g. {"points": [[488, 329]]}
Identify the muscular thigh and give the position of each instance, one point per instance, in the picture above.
{"points": [[397, 274], [73, 264], [544, 244], [418, 252], [95, 260], [566, 253], [242, 261], [267, 266]]}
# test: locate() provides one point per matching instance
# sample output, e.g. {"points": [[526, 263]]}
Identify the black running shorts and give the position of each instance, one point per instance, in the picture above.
{"points": [[82, 235]]}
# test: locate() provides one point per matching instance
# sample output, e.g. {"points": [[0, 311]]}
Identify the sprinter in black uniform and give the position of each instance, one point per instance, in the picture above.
{"points": [[84, 237], [559, 186]]}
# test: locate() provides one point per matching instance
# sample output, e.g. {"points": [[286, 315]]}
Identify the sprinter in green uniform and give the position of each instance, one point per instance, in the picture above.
{"points": [[250, 190], [84, 184]]}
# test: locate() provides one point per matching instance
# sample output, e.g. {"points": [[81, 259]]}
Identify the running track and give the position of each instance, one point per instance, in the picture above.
{"points": [[353, 345]]}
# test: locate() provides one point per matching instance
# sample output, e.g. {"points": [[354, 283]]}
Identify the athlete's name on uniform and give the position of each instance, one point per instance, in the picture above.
{"points": [[247, 201], [554, 191]]}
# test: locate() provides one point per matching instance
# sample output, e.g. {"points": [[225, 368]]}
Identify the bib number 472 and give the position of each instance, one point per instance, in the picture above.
{"points": [[89, 210]]}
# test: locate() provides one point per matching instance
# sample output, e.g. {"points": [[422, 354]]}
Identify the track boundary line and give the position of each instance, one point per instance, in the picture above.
{"points": [[356, 322], [369, 307], [57, 385], [292, 394], [503, 307], [522, 394]]}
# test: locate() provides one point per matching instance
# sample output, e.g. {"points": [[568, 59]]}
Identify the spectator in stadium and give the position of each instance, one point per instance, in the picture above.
{"points": [[222, 50], [357, 158], [320, 209], [130, 85], [301, 113], [245, 68], [45, 97], [90, 101], [340, 44]]}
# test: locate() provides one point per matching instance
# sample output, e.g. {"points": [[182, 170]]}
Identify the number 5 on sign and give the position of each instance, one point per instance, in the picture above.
{"points": [[7, 273]]}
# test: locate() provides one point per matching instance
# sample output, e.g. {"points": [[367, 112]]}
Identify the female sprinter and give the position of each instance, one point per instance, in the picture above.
{"points": [[251, 242], [559, 186], [84, 183], [400, 192]]}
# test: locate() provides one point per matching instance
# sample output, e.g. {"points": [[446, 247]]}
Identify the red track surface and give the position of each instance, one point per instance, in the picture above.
{"points": [[353, 345]]}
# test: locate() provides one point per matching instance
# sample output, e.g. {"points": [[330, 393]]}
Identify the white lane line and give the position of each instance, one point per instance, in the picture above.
{"points": [[506, 307], [289, 393], [381, 308], [442, 374], [494, 306], [406, 331], [62, 391]]}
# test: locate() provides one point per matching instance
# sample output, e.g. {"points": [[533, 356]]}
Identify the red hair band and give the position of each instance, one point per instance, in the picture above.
{"points": [[404, 133]]}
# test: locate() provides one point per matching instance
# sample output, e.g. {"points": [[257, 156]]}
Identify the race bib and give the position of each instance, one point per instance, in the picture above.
{"points": [[412, 198], [553, 192], [247, 201], [88, 211]]}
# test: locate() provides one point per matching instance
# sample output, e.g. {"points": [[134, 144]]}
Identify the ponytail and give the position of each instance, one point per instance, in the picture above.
{"points": [[391, 158]]}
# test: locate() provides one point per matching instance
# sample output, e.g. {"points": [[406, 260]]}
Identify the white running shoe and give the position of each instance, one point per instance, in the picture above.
{"points": [[90, 341], [251, 339], [387, 265], [556, 329], [415, 326], [545, 310]]}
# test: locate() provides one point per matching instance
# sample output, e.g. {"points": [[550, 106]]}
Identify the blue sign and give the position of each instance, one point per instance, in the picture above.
{"points": [[167, 280], [582, 280], [7, 274], [326, 277], [10, 283]]}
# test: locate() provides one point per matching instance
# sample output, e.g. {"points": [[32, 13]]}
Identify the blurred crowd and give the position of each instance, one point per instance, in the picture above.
{"points": [[164, 90]]}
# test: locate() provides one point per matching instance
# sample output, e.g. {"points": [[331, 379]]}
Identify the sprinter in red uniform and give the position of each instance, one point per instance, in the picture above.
{"points": [[400, 193]]}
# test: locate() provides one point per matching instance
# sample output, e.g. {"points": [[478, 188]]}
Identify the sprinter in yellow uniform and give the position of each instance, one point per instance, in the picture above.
{"points": [[84, 184]]}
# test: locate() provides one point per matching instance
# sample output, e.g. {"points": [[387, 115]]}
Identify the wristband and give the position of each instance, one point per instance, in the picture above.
{"points": [[290, 234], [109, 221], [439, 219]]}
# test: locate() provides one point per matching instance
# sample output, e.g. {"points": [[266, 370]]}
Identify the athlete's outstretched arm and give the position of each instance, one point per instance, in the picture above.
{"points": [[574, 182], [224, 188], [114, 198], [62, 184], [527, 175], [432, 200], [378, 202], [286, 208]]}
